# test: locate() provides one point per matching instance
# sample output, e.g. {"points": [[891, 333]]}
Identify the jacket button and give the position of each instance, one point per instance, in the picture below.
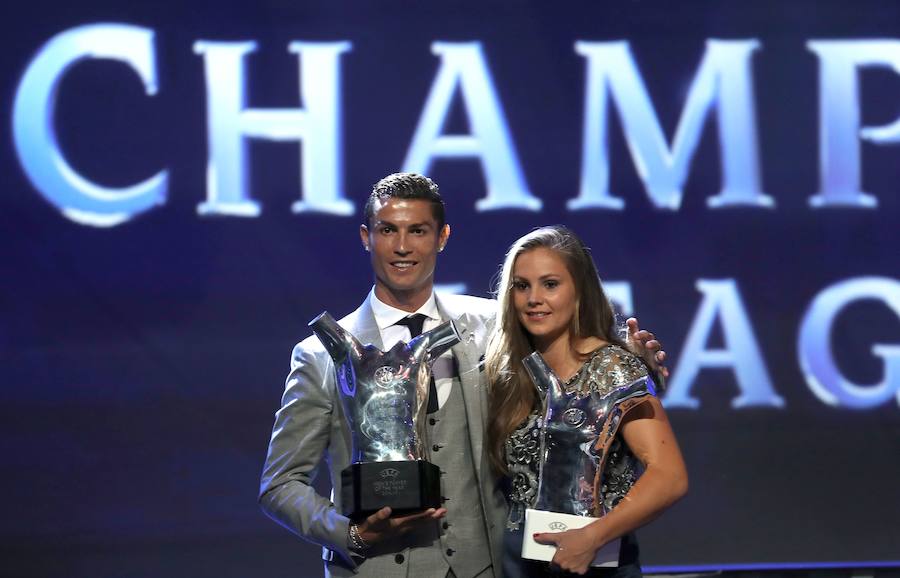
{"points": [[432, 421], [445, 525], [450, 551], [399, 558], [436, 447]]}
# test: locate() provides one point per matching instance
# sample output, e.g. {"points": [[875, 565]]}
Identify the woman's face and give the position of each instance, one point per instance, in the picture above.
{"points": [[544, 294]]}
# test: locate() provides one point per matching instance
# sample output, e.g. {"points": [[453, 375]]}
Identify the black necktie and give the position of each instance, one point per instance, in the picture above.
{"points": [[415, 323]]}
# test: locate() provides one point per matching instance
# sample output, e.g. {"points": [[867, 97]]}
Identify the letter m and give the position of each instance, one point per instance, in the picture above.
{"points": [[724, 80]]}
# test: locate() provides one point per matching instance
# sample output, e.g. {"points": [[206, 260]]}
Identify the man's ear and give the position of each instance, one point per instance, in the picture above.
{"points": [[364, 236], [443, 236]]}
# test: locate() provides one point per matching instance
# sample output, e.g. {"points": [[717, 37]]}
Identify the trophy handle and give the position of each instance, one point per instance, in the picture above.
{"points": [[545, 380], [624, 399], [334, 338], [549, 388], [439, 339]]}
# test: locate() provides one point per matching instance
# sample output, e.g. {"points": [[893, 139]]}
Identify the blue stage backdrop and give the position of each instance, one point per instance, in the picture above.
{"points": [[182, 188]]}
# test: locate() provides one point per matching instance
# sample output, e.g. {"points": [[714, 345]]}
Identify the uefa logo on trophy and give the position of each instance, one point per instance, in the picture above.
{"points": [[384, 395]]}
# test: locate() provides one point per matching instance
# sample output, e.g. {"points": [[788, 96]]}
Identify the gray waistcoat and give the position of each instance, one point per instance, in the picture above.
{"points": [[462, 543]]}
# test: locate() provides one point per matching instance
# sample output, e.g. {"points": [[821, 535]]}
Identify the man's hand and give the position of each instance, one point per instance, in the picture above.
{"points": [[575, 549], [380, 526], [644, 344]]}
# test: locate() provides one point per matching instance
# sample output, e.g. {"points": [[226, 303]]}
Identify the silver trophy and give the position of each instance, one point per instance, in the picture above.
{"points": [[578, 429], [576, 433], [384, 395]]}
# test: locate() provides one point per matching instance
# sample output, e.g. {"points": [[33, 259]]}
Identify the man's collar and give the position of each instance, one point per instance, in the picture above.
{"points": [[386, 315]]}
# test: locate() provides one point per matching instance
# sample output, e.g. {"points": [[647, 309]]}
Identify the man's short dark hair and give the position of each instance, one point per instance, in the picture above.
{"points": [[406, 186]]}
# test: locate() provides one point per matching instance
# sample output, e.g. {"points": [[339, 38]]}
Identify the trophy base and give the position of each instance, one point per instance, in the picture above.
{"points": [[405, 486], [543, 521]]}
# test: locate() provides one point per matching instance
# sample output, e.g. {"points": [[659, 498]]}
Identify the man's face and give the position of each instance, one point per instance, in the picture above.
{"points": [[403, 239]]}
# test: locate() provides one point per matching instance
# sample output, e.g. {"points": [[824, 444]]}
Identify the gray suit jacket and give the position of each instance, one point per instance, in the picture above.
{"points": [[311, 424]]}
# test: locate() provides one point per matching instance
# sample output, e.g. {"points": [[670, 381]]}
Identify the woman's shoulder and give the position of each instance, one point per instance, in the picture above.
{"points": [[612, 365]]}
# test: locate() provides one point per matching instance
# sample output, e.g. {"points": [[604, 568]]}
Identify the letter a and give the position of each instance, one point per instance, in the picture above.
{"points": [[741, 352], [463, 66]]}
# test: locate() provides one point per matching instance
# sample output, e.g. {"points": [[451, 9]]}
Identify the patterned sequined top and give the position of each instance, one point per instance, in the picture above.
{"points": [[608, 367]]}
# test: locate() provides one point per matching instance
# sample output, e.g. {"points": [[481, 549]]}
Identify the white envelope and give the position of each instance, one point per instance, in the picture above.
{"points": [[542, 521]]}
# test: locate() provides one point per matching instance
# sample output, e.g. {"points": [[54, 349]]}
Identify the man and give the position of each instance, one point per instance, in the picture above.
{"points": [[404, 231]]}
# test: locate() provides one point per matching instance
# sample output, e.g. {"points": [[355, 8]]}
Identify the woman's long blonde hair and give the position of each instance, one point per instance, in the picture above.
{"points": [[512, 393]]}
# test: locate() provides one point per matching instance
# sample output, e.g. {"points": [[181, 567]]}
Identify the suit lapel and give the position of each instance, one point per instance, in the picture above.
{"points": [[473, 390], [363, 325]]}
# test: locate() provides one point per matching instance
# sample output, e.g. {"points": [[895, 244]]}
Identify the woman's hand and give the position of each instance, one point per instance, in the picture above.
{"points": [[575, 549]]}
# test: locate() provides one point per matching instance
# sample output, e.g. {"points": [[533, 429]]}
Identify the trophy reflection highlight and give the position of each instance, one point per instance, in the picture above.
{"points": [[577, 431], [384, 395]]}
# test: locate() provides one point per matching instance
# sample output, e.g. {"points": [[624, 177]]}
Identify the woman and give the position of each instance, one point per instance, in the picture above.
{"points": [[551, 301]]}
